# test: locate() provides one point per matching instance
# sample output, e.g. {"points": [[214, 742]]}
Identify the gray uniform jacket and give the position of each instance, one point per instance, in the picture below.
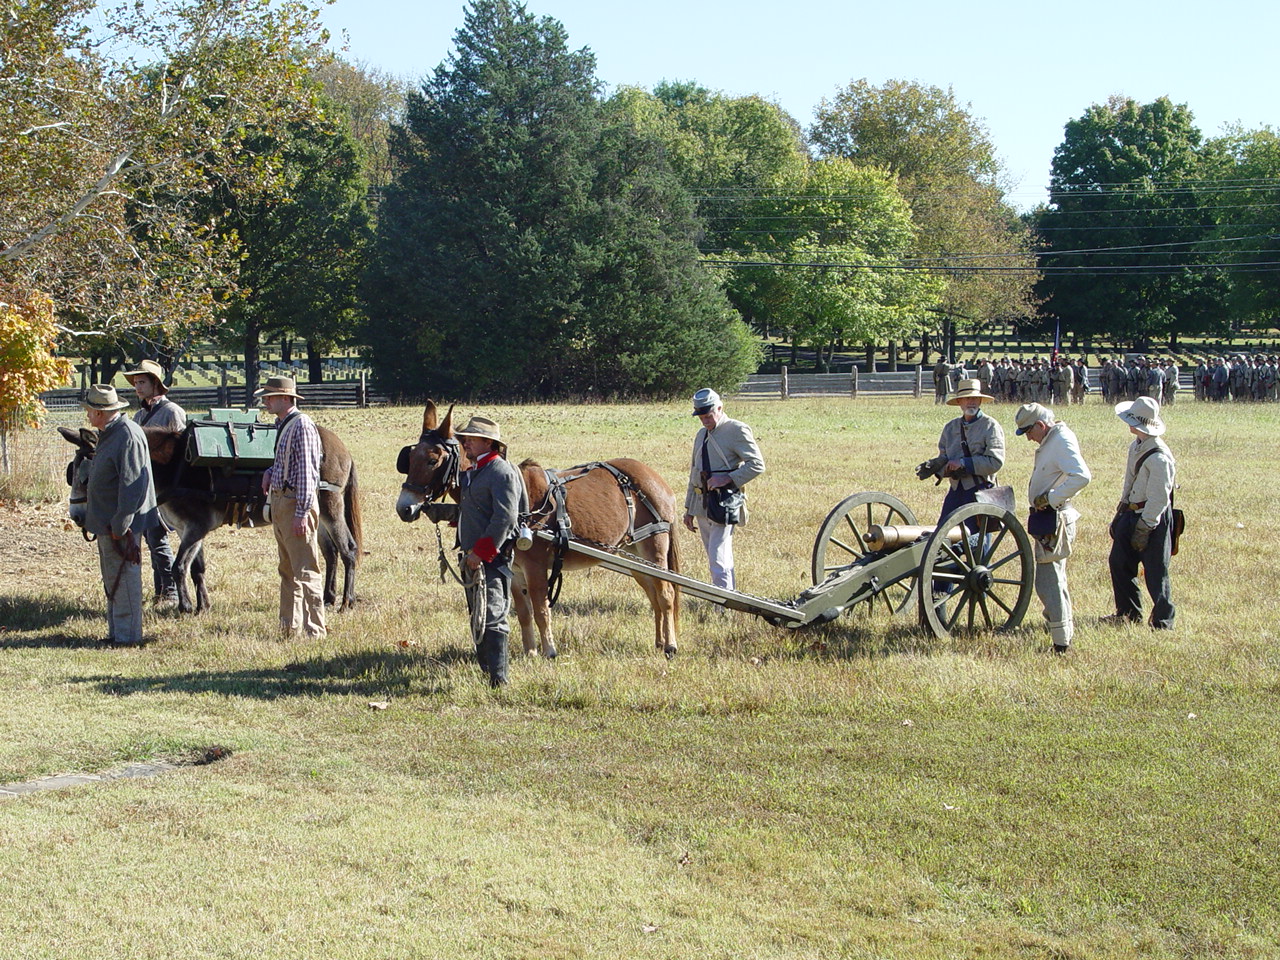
{"points": [[986, 444], [1153, 483], [731, 449], [1060, 470], [121, 493], [163, 412], [491, 504]]}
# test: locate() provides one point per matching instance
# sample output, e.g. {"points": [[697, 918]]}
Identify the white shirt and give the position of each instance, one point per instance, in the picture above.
{"points": [[1154, 482]]}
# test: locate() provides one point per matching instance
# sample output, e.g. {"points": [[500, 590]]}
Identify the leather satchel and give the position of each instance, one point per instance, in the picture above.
{"points": [[1042, 523]]}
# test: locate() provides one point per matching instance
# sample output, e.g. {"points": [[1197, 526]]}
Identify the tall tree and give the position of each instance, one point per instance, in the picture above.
{"points": [[530, 248], [1124, 221], [826, 259], [369, 102], [1245, 201], [947, 169], [304, 246], [101, 158]]}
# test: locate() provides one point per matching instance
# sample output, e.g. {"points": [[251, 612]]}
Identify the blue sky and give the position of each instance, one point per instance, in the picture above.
{"points": [[1025, 69]]}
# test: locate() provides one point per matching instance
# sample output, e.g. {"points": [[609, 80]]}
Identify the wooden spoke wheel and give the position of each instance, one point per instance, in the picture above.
{"points": [[985, 581], [839, 543]]}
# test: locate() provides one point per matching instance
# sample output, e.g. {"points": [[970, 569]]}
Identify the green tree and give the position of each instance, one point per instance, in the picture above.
{"points": [[100, 158], [1245, 201], [826, 259], [304, 246], [1125, 220], [369, 101], [528, 247], [947, 169]]}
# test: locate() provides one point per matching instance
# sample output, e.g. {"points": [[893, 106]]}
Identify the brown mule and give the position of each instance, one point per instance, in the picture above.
{"points": [[597, 507]]}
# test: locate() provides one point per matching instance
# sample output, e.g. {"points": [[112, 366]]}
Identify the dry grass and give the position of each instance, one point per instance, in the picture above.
{"points": [[857, 791]]}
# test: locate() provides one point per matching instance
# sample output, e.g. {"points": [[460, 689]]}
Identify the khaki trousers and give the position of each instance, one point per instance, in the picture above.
{"points": [[122, 583], [301, 584]]}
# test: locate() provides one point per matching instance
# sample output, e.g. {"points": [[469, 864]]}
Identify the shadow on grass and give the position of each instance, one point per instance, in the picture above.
{"points": [[364, 674], [41, 612]]}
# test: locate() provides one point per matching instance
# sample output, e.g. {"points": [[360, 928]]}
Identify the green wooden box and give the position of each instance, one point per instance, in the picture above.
{"points": [[234, 414], [233, 444]]}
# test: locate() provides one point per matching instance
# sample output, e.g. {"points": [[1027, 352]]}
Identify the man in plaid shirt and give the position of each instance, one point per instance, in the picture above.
{"points": [[291, 485]]}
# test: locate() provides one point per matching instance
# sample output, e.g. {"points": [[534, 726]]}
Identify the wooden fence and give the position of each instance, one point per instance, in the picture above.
{"points": [[331, 393]]}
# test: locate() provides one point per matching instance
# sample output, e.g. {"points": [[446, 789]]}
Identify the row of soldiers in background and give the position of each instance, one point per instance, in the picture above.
{"points": [[1240, 379], [1153, 377], [1012, 380]]}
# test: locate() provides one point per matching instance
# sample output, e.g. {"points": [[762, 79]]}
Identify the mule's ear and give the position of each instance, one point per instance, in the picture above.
{"points": [[446, 428], [71, 436], [429, 417], [89, 438]]}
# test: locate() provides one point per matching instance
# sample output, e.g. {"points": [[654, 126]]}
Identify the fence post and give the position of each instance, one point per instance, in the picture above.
{"points": [[362, 398], [853, 382], [783, 386], [919, 381]]}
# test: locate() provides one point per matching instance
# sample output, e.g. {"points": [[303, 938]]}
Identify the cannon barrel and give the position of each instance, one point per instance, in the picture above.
{"points": [[885, 538]]}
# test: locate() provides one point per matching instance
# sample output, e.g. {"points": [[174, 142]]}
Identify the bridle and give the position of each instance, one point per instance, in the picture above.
{"points": [[445, 477], [72, 467]]}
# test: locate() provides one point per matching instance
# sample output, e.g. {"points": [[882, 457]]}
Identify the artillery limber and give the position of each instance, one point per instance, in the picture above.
{"points": [[974, 571]]}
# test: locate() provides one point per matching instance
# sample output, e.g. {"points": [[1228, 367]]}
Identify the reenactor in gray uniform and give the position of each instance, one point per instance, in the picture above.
{"points": [[1273, 378], [941, 380], [157, 410], [121, 506], [1079, 380], [1155, 379], [1239, 382], [1221, 379], [1142, 531], [986, 373], [1201, 379], [1171, 384], [1061, 381], [492, 500]]}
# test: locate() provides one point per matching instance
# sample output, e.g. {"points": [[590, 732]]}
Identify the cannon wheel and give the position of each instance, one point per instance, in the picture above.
{"points": [[839, 542], [980, 585]]}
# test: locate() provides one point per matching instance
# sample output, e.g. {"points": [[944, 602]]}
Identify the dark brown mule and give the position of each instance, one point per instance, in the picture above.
{"points": [[597, 507], [190, 505]]}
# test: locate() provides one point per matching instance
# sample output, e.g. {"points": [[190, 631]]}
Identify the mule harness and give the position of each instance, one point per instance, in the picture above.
{"points": [[552, 514]]}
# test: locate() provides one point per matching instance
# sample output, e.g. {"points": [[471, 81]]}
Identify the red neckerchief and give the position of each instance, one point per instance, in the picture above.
{"points": [[479, 464]]}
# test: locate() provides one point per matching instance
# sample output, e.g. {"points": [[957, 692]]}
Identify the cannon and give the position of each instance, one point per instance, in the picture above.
{"points": [[974, 571]]}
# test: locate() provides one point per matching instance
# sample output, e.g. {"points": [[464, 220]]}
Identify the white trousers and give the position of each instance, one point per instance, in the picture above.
{"points": [[1051, 588], [717, 538]]}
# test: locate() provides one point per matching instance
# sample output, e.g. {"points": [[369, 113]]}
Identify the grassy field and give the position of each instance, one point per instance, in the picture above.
{"points": [[858, 791]]}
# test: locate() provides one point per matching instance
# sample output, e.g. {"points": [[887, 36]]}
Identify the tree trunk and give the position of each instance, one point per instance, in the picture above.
{"points": [[286, 350], [315, 363], [252, 330], [893, 356], [871, 358]]}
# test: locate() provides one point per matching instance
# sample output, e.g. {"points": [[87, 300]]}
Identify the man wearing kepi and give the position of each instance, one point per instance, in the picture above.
{"points": [[1058, 475], [970, 450], [492, 499], [726, 457], [157, 410], [121, 506], [292, 486], [1141, 532]]}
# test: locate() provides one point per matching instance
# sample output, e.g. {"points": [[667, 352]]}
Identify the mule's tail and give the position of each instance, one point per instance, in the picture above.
{"points": [[355, 522]]}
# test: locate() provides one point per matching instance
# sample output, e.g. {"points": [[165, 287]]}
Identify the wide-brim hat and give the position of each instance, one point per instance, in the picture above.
{"points": [[484, 428], [102, 396], [278, 387], [1029, 414], [151, 367], [1143, 413], [967, 390], [704, 401]]}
